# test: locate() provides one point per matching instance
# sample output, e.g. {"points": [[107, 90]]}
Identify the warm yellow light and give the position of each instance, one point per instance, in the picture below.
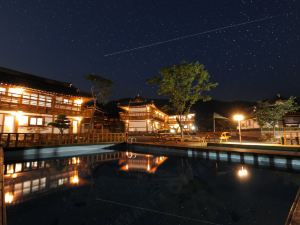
{"points": [[17, 91], [22, 120], [8, 197], [14, 175], [75, 179], [242, 173], [78, 101], [79, 118], [238, 117]]}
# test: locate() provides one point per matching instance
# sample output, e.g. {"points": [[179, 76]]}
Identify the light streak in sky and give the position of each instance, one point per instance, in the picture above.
{"points": [[189, 36]]}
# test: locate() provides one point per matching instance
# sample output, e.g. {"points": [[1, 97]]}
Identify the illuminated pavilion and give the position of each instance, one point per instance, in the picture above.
{"points": [[28, 103]]}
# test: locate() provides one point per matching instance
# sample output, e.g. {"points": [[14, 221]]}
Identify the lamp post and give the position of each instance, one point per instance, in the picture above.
{"points": [[239, 118]]}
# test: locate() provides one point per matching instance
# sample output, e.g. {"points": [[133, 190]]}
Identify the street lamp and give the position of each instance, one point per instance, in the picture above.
{"points": [[239, 118]]}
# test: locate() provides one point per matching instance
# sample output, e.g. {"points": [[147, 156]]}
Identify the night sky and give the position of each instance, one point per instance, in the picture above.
{"points": [[67, 39]]}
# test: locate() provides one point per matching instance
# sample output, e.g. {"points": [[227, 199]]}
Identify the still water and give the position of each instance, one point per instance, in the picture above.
{"points": [[122, 188]]}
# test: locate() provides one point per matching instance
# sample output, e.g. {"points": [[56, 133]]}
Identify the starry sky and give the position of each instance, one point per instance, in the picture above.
{"points": [[66, 39]]}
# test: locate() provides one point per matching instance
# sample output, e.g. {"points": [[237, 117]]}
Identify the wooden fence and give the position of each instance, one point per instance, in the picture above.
{"points": [[14, 140]]}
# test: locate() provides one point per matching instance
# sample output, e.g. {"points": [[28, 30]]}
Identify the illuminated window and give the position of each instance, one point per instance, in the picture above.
{"points": [[2, 90], [23, 121], [36, 121], [10, 169], [18, 167]]}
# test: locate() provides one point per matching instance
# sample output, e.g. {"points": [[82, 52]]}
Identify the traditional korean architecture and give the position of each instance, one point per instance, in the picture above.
{"points": [[28, 103], [143, 116], [188, 122], [140, 115]]}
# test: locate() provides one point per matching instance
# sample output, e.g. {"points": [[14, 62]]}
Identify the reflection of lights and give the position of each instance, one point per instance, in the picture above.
{"points": [[75, 160], [75, 179], [14, 175], [242, 172], [9, 197]]}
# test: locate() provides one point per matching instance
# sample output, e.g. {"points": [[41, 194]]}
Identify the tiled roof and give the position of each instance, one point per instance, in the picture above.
{"points": [[9, 76]]}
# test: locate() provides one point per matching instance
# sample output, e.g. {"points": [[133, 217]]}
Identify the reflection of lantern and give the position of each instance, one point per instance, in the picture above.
{"points": [[75, 179], [9, 198], [242, 172]]}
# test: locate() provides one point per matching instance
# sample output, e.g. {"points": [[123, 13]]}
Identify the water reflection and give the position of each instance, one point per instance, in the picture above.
{"points": [[141, 162], [27, 180], [242, 173]]}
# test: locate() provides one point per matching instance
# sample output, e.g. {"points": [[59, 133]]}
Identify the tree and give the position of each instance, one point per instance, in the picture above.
{"points": [[271, 113], [184, 84], [100, 90], [61, 122]]}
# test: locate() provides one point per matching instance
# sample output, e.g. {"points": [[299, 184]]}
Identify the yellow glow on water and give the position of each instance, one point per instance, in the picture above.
{"points": [[75, 179], [242, 172]]}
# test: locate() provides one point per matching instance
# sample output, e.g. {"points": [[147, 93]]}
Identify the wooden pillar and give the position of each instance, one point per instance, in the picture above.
{"points": [[2, 200]]}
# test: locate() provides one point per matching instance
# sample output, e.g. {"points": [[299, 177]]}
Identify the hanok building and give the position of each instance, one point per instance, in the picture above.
{"points": [[28, 103], [188, 123], [142, 116]]}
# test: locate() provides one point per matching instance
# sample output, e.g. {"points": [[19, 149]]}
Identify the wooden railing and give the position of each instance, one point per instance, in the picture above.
{"points": [[14, 140], [10, 101]]}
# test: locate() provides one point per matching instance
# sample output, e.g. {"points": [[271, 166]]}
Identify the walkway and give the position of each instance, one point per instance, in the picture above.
{"points": [[288, 151]]}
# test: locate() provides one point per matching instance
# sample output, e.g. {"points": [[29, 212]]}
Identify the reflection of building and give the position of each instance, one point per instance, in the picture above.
{"points": [[26, 180], [28, 103], [141, 162], [142, 116]]}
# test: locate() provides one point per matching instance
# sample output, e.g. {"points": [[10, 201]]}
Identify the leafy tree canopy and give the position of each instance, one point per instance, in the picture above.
{"points": [[61, 122], [184, 84], [270, 113]]}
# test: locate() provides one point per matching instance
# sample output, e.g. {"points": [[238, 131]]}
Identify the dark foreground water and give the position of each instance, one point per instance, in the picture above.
{"points": [[122, 188]]}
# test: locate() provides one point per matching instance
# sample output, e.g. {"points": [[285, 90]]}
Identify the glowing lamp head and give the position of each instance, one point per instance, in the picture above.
{"points": [[238, 117]]}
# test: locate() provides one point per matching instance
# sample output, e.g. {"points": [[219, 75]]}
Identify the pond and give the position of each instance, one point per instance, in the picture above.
{"points": [[123, 187]]}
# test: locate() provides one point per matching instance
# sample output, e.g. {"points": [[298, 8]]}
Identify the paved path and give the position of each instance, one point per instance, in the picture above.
{"points": [[199, 147]]}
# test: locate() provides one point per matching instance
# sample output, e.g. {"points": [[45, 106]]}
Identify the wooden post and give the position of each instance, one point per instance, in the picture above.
{"points": [[2, 200]]}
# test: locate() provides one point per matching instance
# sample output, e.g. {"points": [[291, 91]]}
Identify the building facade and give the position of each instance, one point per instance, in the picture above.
{"points": [[28, 103], [142, 116]]}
